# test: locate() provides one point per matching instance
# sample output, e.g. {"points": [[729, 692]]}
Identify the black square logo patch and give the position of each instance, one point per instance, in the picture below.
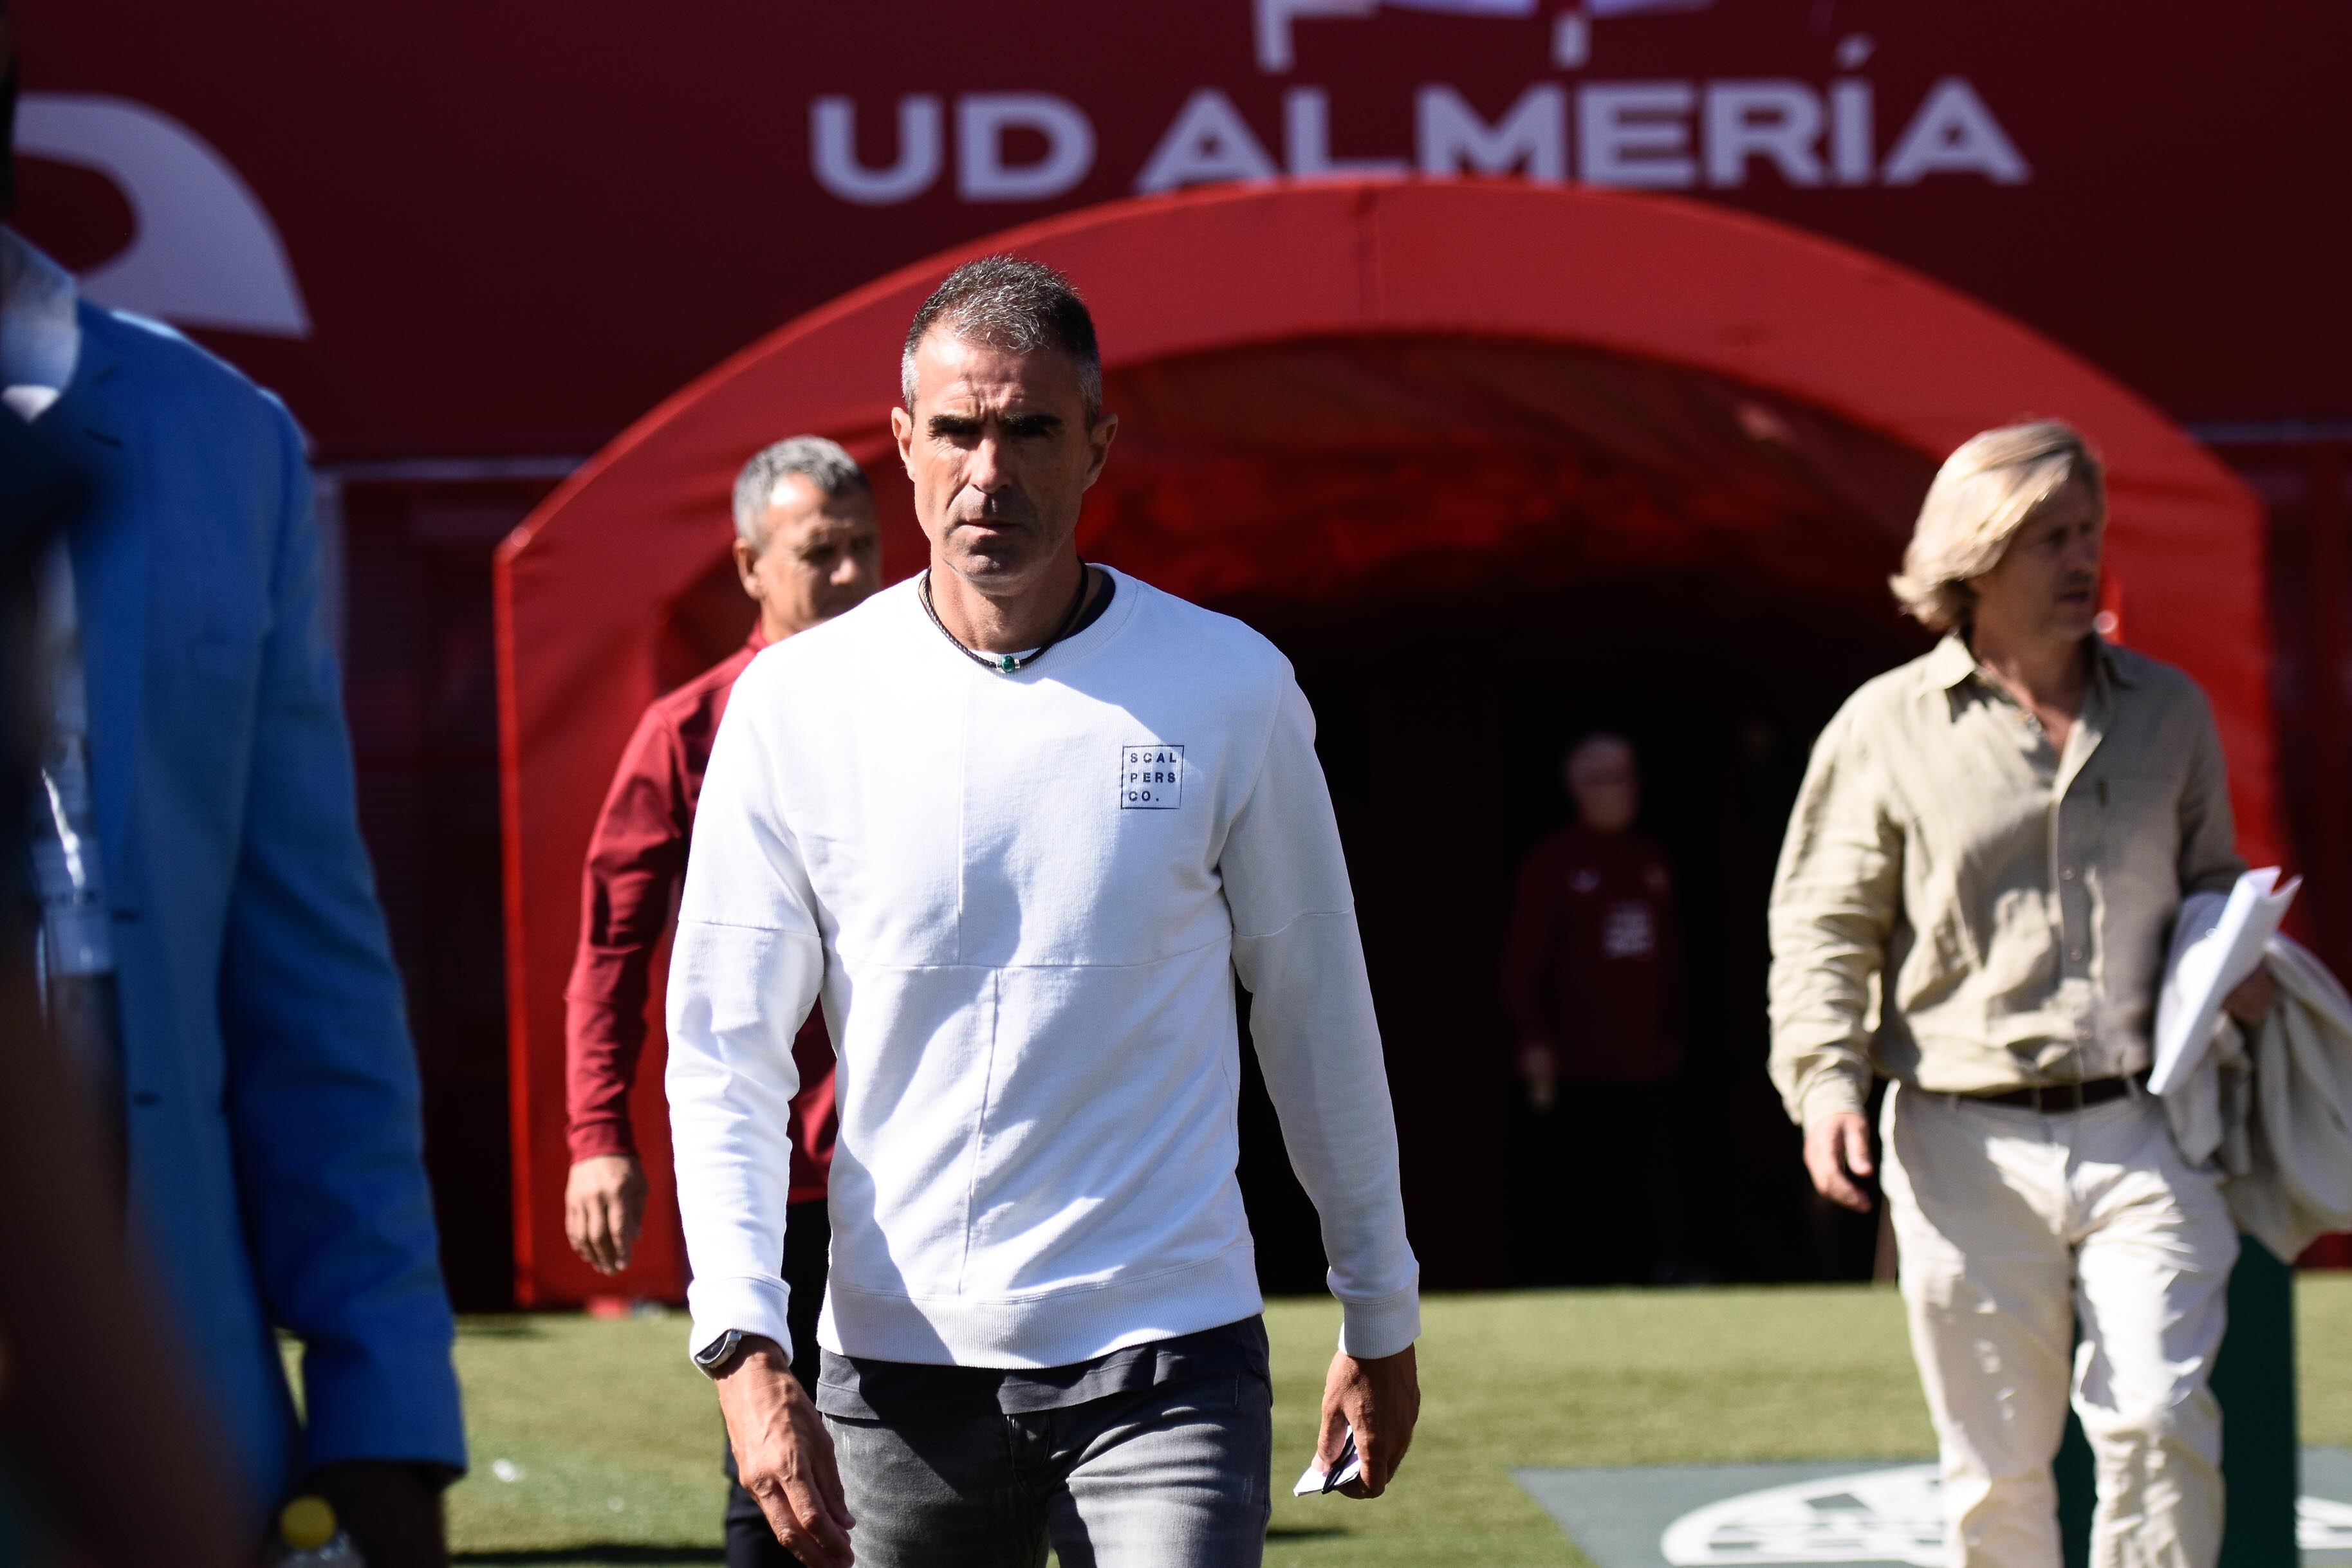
{"points": [[1151, 777]]}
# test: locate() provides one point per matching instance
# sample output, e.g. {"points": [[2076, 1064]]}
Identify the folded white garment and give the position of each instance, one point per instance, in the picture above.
{"points": [[2274, 1111]]}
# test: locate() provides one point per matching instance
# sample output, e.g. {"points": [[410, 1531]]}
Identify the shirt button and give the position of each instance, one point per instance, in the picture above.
{"points": [[2066, 873], [2074, 954]]}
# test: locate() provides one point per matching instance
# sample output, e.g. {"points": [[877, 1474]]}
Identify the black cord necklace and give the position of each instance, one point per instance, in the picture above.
{"points": [[1006, 664]]}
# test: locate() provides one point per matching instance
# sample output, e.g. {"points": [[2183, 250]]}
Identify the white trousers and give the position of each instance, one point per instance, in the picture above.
{"points": [[2013, 1225]]}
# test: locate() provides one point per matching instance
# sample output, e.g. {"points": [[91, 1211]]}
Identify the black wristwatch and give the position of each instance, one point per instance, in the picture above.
{"points": [[719, 1353]]}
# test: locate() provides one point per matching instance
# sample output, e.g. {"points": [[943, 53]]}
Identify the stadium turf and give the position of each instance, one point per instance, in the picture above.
{"points": [[595, 1443]]}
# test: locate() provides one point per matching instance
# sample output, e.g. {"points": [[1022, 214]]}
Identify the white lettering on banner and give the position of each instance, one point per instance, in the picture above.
{"points": [[1572, 40], [1307, 139], [1209, 141], [1779, 120], [1453, 138], [1636, 134], [1275, 55], [1274, 19], [832, 152], [1851, 132], [1671, 135], [1954, 133], [203, 252], [982, 121]]}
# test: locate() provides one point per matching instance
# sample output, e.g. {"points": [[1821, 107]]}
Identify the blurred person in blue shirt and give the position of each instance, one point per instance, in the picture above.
{"points": [[213, 958]]}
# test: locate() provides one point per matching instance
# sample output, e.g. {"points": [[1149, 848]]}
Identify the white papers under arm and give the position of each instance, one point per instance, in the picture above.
{"points": [[2213, 953]]}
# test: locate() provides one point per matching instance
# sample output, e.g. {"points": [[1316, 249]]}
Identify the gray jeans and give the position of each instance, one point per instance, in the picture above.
{"points": [[1176, 1476]]}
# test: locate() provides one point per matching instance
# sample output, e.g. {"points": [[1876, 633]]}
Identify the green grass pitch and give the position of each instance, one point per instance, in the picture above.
{"points": [[595, 1443]]}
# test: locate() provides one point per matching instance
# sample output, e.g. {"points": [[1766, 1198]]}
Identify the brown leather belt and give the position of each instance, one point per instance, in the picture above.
{"points": [[2062, 1097]]}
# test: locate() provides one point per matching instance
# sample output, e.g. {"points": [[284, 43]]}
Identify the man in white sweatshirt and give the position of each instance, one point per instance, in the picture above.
{"points": [[1017, 823]]}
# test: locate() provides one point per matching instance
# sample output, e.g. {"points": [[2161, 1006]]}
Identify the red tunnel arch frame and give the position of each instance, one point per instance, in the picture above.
{"points": [[581, 587]]}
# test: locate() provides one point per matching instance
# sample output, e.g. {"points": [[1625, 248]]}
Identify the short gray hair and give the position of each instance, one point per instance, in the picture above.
{"points": [[1012, 303], [1985, 492], [822, 463]]}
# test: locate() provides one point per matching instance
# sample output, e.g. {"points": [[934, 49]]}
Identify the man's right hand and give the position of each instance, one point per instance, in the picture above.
{"points": [[785, 1456], [603, 1208], [1539, 1070], [1379, 1400], [1837, 1144]]}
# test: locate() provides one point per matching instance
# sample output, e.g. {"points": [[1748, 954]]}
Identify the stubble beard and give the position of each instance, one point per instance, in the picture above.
{"points": [[1006, 563]]}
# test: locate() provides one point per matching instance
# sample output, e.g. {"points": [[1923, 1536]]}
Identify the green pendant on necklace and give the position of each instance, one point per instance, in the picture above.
{"points": [[1007, 664]]}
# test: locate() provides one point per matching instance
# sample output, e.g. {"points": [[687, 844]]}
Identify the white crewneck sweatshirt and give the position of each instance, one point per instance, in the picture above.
{"points": [[1023, 900]]}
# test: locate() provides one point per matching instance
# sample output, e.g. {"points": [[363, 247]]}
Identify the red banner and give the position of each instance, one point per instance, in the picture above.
{"points": [[450, 229]]}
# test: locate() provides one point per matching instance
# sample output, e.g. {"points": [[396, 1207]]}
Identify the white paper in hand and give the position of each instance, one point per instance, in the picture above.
{"points": [[2207, 965], [1315, 1482]]}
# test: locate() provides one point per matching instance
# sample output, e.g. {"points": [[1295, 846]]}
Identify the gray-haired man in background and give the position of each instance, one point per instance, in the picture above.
{"points": [[806, 550]]}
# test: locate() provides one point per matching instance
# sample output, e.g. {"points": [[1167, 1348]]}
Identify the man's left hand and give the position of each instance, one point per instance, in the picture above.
{"points": [[391, 1510], [1381, 1399], [2251, 1002]]}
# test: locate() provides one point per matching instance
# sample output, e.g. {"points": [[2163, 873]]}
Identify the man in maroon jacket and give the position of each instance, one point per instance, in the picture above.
{"points": [[1593, 974], [806, 549]]}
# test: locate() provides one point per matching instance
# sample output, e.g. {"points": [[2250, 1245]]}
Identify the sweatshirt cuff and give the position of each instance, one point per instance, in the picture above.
{"points": [[1370, 1330], [588, 1140], [396, 1402], [750, 1304], [1828, 1096]]}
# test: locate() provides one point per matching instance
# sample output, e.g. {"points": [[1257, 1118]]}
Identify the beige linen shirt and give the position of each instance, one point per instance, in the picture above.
{"points": [[1965, 908]]}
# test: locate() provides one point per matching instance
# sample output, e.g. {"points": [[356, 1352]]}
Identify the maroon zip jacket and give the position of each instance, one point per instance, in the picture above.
{"points": [[636, 864]]}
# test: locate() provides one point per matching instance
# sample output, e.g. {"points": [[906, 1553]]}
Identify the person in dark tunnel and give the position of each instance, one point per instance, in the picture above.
{"points": [[1594, 972]]}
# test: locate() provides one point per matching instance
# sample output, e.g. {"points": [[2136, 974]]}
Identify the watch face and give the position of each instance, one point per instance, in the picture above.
{"points": [[717, 1352]]}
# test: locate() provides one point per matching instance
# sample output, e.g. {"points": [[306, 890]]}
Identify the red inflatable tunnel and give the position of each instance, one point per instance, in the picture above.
{"points": [[1327, 390]]}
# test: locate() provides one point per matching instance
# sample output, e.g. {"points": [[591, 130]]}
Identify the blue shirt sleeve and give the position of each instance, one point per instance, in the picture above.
{"points": [[323, 1099]]}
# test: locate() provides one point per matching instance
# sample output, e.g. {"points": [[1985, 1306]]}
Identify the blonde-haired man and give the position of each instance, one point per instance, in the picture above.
{"points": [[1974, 899]]}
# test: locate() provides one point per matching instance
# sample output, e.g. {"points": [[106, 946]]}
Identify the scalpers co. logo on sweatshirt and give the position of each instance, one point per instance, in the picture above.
{"points": [[1150, 776]]}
